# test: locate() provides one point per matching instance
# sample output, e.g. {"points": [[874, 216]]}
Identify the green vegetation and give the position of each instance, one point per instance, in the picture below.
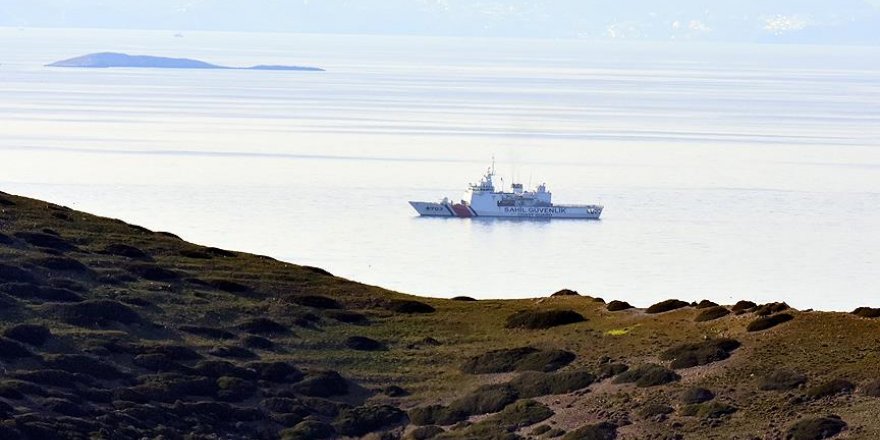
{"points": [[111, 328], [767, 322], [667, 306]]}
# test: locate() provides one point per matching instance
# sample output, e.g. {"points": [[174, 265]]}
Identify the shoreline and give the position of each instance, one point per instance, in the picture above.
{"points": [[103, 320]]}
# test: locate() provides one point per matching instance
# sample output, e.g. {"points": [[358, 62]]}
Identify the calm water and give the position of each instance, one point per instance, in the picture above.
{"points": [[727, 172]]}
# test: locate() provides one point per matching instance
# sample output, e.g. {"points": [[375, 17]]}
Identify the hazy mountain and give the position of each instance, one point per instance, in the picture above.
{"points": [[810, 21]]}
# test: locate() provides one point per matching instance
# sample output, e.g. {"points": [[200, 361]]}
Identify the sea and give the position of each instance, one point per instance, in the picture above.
{"points": [[727, 172]]}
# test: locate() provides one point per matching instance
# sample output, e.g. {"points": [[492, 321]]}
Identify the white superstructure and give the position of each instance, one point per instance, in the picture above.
{"points": [[482, 200]]}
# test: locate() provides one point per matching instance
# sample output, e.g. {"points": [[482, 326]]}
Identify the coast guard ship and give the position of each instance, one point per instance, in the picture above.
{"points": [[482, 200]]}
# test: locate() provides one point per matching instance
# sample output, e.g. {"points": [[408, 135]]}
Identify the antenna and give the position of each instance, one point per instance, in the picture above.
{"points": [[493, 164]]}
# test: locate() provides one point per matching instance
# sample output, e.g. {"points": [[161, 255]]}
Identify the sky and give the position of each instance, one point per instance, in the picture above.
{"points": [[783, 21]]}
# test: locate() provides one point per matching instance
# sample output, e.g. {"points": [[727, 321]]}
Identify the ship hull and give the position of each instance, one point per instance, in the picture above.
{"points": [[429, 209]]}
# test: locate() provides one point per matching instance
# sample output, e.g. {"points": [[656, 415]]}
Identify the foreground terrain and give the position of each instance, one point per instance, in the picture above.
{"points": [[110, 330]]}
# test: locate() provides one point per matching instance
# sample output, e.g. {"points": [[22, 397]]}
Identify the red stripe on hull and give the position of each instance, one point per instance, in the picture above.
{"points": [[461, 210]]}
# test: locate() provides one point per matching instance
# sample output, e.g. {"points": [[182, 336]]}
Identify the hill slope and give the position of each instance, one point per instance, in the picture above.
{"points": [[114, 331]]}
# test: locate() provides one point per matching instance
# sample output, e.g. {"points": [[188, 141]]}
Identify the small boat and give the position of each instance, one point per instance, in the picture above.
{"points": [[482, 200]]}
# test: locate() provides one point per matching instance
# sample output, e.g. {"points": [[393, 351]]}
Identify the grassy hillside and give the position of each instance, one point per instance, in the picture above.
{"points": [[114, 331]]}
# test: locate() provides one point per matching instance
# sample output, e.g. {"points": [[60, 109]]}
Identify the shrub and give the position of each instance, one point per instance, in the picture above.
{"points": [[207, 332], [317, 301], [277, 371], [742, 306], [62, 264], [157, 362], [174, 352], [233, 389], [435, 415], [12, 274], [10, 349], [394, 391], [771, 308], [463, 298], [425, 432], [28, 333], [263, 326], [518, 359], [536, 384], [700, 353], [484, 400], [782, 380], [872, 388], [831, 388], [543, 319], [48, 376], [711, 314], [257, 342], [867, 312], [43, 240], [124, 250], [767, 322], [610, 370], [152, 272], [648, 375], [228, 286], [347, 317], [616, 306], [545, 360], [712, 410], [409, 306], [816, 428], [97, 313], [521, 414], [363, 343], [655, 409], [365, 419], [195, 254], [666, 306], [566, 292], [232, 352], [322, 384], [215, 369], [82, 364], [696, 395], [600, 431], [705, 304], [308, 430]]}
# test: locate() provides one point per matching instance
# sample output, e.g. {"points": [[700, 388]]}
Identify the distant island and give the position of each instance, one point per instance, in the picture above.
{"points": [[114, 59]]}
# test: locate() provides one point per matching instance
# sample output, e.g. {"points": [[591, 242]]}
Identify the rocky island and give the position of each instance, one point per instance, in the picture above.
{"points": [[113, 59], [111, 330]]}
